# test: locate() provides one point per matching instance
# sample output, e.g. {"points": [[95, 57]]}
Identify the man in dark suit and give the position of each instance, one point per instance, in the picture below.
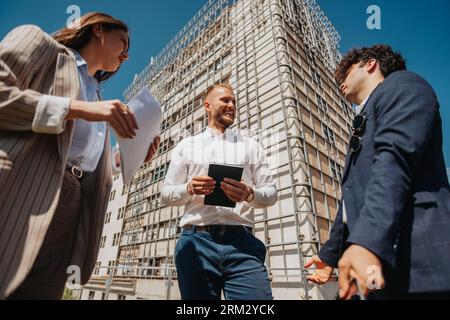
{"points": [[392, 230]]}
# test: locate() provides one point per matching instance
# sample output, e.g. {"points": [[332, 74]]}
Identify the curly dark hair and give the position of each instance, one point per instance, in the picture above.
{"points": [[388, 60]]}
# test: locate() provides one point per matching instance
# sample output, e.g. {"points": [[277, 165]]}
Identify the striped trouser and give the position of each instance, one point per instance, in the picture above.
{"points": [[48, 276]]}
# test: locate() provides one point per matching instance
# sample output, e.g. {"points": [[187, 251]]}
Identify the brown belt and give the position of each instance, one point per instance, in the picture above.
{"points": [[219, 228]]}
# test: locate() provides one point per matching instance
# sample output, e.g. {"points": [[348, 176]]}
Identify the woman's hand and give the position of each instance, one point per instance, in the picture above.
{"points": [[113, 111]]}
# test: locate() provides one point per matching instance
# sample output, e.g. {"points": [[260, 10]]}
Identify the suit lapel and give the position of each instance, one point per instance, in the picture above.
{"points": [[347, 161], [349, 157]]}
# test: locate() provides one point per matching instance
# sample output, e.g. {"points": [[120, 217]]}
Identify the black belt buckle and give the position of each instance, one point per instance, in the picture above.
{"points": [[223, 228]]}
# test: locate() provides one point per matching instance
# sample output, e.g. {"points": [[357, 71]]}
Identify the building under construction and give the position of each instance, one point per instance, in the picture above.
{"points": [[279, 56]]}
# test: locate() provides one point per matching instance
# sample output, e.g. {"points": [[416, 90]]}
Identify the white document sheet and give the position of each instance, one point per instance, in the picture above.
{"points": [[148, 115]]}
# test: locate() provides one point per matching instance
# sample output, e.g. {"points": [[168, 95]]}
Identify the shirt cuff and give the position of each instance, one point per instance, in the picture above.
{"points": [[180, 193], [50, 115], [258, 195]]}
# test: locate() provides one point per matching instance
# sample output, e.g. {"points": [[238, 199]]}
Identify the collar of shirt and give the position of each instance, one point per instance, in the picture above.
{"points": [[214, 133], [88, 137], [361, 106], [82, 67]]}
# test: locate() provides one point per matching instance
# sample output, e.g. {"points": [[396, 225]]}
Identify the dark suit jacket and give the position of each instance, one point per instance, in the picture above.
{"points": [[396, 190]]}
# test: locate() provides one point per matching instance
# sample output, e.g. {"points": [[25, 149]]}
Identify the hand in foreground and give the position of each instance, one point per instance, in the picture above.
{"points": [[117, 114], [235, 191], [322, 273], [359, 267], [201, 185]]}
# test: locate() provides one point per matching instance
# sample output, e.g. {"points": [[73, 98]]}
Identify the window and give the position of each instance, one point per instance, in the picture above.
{"points": [[321, 103], [154, 200], [185, 110], [102, 242], [151, 234], [91, 295], [138, 209], [116, 239], [107, 217], [175, 116], [103, 296], [311, 58], [316, 77], [165, 125], [222, 63], [329, 134], [198, 104], [111, 265], [134, 237], [121, 213], [189, 128], [166, 145], [124, 190], [336, 170], [344, 107], [173, 230], [97, 267], [113, 195], [201, 78], [121, 297], [160, 172]]}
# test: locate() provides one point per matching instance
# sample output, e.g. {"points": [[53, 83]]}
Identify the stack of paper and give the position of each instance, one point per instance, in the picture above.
{"points": [[133, 152]]}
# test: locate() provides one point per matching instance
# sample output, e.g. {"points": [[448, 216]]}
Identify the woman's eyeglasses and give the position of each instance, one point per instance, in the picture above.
{"points": [[359, 125]]}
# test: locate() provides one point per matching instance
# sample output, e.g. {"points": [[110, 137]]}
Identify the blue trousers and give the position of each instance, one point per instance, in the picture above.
{"points": [[209, 262]]}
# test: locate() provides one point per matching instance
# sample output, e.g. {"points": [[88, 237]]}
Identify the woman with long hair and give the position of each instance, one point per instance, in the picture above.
{"points": [[55, 155]]}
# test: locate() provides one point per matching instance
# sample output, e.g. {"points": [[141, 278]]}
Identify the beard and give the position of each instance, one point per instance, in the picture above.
{"points": [[223, 121]]}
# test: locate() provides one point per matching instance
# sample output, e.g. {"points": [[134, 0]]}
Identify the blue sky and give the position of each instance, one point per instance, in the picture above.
{"points": [[419, 29]]}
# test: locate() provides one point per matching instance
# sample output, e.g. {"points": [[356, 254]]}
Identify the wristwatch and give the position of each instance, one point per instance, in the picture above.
{"points": [[251, 196]]}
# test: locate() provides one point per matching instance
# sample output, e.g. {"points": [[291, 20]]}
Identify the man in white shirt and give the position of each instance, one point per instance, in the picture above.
{"points": [[217, 249]]}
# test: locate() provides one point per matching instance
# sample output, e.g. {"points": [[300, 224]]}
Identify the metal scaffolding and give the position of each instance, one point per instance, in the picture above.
{"points": [[279, 56]]}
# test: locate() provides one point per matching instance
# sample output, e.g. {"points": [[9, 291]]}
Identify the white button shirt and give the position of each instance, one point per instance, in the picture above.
{"points": [[192, 156], [88, 137]]}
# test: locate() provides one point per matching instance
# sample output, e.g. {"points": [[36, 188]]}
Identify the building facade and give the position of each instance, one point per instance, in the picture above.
{"points": [[279, 56], [109, 243]]}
